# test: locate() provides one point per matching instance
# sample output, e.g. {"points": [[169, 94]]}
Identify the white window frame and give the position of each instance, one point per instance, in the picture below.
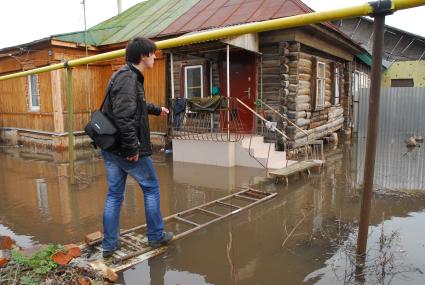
{"points": [[33, 108], [337, 95], [186, 68], [320, 86]]}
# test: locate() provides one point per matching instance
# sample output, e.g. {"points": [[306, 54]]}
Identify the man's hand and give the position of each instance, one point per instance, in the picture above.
{"points": [[164, 111], [133, 158]]}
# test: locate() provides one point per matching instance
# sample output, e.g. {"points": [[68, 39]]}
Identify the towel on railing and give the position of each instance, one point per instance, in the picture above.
{"points": [[208, 104]]}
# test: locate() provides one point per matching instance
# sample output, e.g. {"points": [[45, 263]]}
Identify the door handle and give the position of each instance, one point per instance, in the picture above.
{"points": [[249, 92]]}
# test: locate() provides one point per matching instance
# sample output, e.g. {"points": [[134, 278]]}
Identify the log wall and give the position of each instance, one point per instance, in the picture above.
{"points": [[289, 85]]}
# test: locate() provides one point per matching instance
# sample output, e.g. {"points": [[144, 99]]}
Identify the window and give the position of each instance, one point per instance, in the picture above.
{"points": [[402, 83], [360, 80], [33, 93], [337, 86], [320, 85], [193, 86]]}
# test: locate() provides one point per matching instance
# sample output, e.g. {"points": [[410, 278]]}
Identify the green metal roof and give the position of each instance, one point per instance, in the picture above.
{"points": [[367, 58], [146, 19]]}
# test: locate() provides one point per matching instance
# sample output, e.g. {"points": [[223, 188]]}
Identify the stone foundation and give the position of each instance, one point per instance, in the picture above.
{"points": [[37, 140]]}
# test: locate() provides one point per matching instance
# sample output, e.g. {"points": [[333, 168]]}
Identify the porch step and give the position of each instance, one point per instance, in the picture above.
{"points": [[263, 153]]}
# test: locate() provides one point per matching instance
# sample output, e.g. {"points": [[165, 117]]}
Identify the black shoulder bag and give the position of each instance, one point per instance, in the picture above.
{"points": [[101, 129]]}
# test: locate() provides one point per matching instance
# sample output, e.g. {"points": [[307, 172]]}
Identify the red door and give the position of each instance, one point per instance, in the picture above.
{"points": [[242, 86]]}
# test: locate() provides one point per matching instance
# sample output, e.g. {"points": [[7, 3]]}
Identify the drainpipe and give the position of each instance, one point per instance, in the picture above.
{"points": [[119, 5]]}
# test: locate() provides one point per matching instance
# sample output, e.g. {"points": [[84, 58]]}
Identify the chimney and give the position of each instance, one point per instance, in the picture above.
{"points": [[119, 4]]}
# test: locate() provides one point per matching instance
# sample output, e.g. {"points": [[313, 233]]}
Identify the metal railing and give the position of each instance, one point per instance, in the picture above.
{"points": [[220, 125]]}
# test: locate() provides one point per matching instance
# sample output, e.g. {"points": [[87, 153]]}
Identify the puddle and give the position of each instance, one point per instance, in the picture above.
{"points": [[289, 239]]}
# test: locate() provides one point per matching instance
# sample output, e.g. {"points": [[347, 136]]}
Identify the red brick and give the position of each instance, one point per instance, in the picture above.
{"points": [[73, 250], [3, 262], [4, 257], [92, 237], [61, 258], [84, 281], [5, 242]]}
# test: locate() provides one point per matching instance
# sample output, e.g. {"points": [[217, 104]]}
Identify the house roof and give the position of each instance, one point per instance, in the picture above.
{"points": [[208, 14], [399, 45], [146, 19]]}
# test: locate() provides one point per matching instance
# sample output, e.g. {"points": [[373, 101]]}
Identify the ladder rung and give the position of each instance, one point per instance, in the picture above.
{"points": [[229, 205], [138, 240], [130, 243], [120, 253], [209, 212], [246, 197], [187, 221]]}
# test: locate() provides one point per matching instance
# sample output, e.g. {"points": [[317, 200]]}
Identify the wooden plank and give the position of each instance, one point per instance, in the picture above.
{"points": [[129, 243], [57, 94], [294, 168]]}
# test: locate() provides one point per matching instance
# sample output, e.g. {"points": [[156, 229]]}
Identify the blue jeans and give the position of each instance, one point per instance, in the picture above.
{"points": [[117, 169]]}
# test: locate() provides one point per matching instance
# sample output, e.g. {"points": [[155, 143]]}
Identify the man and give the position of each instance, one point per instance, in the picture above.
{"points": [[127, 108]]}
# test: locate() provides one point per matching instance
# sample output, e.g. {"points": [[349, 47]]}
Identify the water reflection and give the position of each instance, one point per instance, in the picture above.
{"points": [[397, 167], [394, 256], [43, 202], [282, 240]]}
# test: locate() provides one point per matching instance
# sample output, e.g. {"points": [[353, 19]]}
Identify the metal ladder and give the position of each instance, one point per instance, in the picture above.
{"points": [[134, 244]]}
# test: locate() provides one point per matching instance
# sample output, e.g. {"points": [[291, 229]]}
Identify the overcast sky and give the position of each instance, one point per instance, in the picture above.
{"points": [[23, 21]]}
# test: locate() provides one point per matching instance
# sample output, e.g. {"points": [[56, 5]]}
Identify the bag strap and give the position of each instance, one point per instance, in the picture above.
{"points": [[108, 90]]}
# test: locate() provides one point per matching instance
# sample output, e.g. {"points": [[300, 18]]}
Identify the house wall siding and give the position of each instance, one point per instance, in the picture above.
{"points": [[89, 84]]}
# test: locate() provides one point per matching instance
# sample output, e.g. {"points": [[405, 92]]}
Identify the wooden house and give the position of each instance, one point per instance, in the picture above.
{"points": [[304, 73], [33, 109]]}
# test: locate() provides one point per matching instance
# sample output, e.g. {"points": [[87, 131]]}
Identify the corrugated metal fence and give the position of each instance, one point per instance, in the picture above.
{"points": [[402, 114]]}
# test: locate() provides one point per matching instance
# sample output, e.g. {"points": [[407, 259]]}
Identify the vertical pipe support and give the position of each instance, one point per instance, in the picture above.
{"points": [[211, 91], [261, 90], [70, 123], [172, 75], [228, 90], [372, 135]]}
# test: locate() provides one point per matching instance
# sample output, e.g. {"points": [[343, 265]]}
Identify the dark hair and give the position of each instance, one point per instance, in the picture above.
{"points": [[137, 48]]}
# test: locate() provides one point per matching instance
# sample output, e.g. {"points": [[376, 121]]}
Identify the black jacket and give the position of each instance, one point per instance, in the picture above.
{"points": [[127, 107]]}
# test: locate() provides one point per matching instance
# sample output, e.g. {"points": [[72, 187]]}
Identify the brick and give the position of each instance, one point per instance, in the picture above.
{"points": [[61, 258], [84, 281], [92, 237], [4, 257], [5, 242], [3, 262], [73, 250]]}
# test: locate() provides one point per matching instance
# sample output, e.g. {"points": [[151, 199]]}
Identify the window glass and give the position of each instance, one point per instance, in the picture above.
{"points": [[337, 85], [320, 84], [193, 80], [34, 96]]}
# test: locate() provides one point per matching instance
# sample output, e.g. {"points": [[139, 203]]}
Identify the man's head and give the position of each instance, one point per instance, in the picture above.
{"points": [[141, 52]]}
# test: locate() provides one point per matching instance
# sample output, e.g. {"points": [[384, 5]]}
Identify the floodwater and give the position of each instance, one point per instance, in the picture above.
{"points": [[302, 236]]}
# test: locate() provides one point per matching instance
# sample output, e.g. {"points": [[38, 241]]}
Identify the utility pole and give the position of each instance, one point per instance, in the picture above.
{"points": [[381, 9]]}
